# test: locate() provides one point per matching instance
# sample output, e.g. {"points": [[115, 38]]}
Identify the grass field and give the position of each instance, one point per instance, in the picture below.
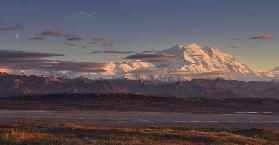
{"points": [[72, 133], [125, 119]]}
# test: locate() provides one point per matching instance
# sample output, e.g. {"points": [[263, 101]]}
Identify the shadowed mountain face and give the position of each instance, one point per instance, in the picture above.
{"points": [[18, 85]]}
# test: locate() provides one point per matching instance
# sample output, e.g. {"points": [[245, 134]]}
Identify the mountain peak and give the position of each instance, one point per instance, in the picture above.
{"points": [[4, 70], [189, 45], [186, 62], [273, 73], [193, 59], [192, 46], [275, 69], [186, 46]]}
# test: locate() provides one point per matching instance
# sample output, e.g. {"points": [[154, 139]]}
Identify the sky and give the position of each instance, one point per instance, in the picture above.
{"points": [[92, 32]]}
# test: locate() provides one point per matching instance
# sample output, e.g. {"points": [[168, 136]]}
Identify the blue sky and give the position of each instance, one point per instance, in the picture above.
{"points": [[136, 25]]}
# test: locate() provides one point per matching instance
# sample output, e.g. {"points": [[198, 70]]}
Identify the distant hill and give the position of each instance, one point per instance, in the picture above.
{"points": [[20, 85]]}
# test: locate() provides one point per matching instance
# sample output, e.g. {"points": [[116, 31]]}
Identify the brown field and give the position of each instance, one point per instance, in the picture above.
{"points": [[74, 133], [140, 102], [127, 119]]}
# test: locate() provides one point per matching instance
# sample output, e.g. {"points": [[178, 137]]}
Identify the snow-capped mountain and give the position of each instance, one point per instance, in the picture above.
{"points": [[187, 62], [193, 58], [273, 73], [121, 68], [127, 69], [3, 70], [180, 62]]}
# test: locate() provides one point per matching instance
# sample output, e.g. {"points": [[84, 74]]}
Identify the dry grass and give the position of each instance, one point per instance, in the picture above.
{"points": [[20, 136], [79, 134]]}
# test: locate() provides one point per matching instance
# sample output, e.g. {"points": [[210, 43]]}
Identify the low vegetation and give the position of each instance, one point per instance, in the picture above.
{"points": [[77, 134], [139, 102]]}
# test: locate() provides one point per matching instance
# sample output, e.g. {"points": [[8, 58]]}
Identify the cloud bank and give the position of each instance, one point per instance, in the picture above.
{"points": [[51, 32], [113, 52], [151, 57], [102, 42], [22, 60], [72, 37], [15, 27], [264, 36]]}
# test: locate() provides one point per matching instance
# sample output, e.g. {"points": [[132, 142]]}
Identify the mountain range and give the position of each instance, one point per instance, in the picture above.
{"points": [[180, 62], [20, 85]]}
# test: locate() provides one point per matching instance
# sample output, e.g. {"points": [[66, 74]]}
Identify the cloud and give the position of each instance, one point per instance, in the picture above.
{"points": [[52, 65], [102, 42], [72, 37], [113, 52], [85, 13], [51, 32], [234, 47], [149, 51], [69, 43], [95, 43], [10, 54], [22, 60], [99, 39], [234, 39], [16, 27], [151, 57], [107, 43], [37, 38], [74, 66], [264, 36], [179, 28]]}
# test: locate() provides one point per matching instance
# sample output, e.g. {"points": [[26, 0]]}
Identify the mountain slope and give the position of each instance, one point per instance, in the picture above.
{"points": [[274, 73], [187, 62], [193, 58], [121, 68]]}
